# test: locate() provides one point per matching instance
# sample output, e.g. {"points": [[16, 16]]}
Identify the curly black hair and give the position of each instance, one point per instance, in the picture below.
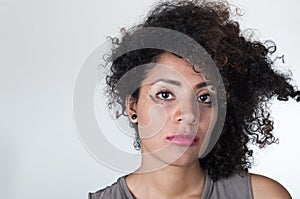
{"points": [[245, 65]]}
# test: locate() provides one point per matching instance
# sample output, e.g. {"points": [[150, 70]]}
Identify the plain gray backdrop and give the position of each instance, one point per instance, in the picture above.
{"points": [[43, 45]]}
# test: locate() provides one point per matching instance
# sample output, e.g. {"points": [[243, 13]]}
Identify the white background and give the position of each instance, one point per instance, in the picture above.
{"points": [[42, 47]]}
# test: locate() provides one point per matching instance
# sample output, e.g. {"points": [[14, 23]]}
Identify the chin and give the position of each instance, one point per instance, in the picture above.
{"points": [[172, 155], [184, 161], [181, 159]]}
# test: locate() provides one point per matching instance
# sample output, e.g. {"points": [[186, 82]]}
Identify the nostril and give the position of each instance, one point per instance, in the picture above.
{"points": [[189, 119]]}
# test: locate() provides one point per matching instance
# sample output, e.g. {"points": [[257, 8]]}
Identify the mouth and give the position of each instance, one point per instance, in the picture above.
{"points": [[184, 139]]}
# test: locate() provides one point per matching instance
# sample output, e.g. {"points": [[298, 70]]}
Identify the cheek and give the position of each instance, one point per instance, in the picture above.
{"points": [[207, 119], [152, 119], [206, 128]]}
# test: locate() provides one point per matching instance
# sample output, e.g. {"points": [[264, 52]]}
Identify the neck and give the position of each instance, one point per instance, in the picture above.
{"points": [[171, 181]]}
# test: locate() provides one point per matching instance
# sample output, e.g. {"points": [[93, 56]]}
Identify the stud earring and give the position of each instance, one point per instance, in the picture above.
{"points": [[134, 116]]}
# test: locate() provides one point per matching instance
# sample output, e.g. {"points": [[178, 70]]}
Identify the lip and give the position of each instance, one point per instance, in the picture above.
{"points": [[184, 139]]}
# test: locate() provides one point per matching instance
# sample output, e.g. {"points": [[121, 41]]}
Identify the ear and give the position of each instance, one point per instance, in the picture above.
{"points": [[131, 108]]}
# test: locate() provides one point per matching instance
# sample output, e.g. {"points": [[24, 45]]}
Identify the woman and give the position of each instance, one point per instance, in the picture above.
{"points": [[194, 108]]}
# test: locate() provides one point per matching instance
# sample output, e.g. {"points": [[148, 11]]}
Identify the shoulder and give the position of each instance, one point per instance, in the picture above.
{"points": [[264, 187], [237, 185], [114, 191]]}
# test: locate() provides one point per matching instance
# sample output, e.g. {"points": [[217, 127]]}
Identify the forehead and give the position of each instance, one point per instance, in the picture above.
{"points": [[170, 66]]}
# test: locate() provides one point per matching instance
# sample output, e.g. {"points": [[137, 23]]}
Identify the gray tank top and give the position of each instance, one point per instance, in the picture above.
{"points": [[233, 187]]}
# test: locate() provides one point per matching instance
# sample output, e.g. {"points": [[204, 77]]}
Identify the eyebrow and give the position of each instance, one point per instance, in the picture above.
{"points": [[177, 83]]}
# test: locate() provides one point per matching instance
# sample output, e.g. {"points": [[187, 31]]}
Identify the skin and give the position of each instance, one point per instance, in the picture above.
{"points": [[183, 107], [267, 188]]}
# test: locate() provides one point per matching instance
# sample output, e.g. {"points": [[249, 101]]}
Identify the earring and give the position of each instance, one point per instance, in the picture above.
{"points": [[134, 116], [137, 144]]}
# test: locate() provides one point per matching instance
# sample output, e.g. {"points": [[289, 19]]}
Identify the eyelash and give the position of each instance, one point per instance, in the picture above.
{"points": [[164, 92], [206, 95]]}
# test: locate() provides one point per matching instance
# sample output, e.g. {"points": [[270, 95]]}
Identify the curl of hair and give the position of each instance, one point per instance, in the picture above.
{"points": [[245, 66]]}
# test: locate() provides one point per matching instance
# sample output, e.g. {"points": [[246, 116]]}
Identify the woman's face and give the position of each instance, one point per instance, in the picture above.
{"points": [[176, 112]]}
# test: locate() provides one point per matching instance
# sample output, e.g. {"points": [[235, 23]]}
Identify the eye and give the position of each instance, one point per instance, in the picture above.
{"points": [[165, 95], [205, 98]]}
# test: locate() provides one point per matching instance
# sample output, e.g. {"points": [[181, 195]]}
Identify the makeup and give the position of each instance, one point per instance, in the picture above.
{"points": [[184, 139]]}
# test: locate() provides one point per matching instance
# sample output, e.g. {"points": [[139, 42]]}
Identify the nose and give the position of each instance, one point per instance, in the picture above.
{"points": [[186, 111]]}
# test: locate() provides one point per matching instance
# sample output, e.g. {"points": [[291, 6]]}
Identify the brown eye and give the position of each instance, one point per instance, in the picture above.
{"points": [[165, 95], [205, 98]]}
